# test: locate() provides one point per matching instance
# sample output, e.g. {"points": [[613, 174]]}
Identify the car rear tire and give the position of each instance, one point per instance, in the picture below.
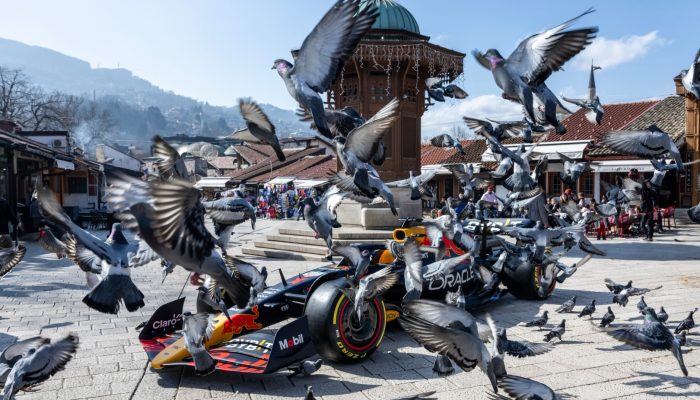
{"points": [[524, 282], [334, 328]]}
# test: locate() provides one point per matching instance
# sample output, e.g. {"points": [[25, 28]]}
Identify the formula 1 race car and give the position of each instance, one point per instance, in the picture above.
{"points": [[322, 317]]}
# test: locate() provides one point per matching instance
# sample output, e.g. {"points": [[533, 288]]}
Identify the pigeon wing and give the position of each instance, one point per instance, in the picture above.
{"points": [[645, 336], [364, 140], [639, 143], [143, 255], [379, 282], [257, 121], [523, 388], [85, 259], [51, 358], [441, 314], [414, 264], [352, 253], [15, 351], [478, 125], [170, 163]]}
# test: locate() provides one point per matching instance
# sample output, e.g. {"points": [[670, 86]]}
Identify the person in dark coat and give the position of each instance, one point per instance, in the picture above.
{"points": [[7, 217], [649, 200]]}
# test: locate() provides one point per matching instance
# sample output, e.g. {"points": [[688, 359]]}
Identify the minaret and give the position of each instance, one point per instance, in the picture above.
{"points": [[591, 83]]}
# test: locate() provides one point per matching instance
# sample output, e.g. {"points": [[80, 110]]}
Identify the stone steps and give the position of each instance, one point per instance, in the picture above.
{"points": [[287, 255], [310, 240]]}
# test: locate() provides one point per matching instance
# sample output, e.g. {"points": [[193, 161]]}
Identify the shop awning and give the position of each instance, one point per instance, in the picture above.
{"points": [[441, 170], [308, 183], [572, 149], [212, 182], [281, 180], [622, 166], [67, 165]]}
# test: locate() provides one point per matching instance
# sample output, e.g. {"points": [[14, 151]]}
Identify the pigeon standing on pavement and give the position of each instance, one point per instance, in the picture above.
{"points": [[196, 330], [50, 243], [589, 309], [448, 142], [650, 143], [259, 128], [608, 318], [650, 335], [567, 306], [521, 348], [691, 77], [323, 54], [557, 331], [305, 368], [9, 258], [687, 324], [522, 75], [539, 321], [641, 305], [662, 315], [36, 364]]}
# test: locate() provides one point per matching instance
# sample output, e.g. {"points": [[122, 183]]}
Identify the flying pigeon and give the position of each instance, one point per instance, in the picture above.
{"points": [[170, 165], [651, 143], [196, 330], [616, 287], [357, 149], [416, 183], [650, 335], [520, 179], [413, 272], [557, 331], [359, 259], [226, 213], [249, 275], [520, 388], [641, 305], [85, 259], [465, 175], [50, 243], [33, 362], [572, 169], [208, 299], [691, 77], [687, 324], [456, 341], [170, 219], [589, 309], [115, 253], [523, 74], [371, 286], [608, 318], [662, 315], [519, 349], [448, 142], [259, 127], [502, 130], [438, 91], [595, 111], [9, 258], [567, 306], [305, 368], [456, 298], [539, 321], [319, 220], [380, 192], [323, 54], [443, 366]]}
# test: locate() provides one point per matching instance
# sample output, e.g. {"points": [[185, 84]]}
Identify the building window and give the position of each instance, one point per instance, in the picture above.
{"points": [[448, 187], [588, 185], [556, 185], [77, 185], [92, 185]]}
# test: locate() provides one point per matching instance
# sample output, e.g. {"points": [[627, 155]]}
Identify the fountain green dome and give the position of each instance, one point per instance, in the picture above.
{"points": [[392, 16]]}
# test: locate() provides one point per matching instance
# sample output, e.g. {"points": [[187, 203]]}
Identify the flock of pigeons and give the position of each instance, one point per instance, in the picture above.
{"points": [[167, 214]]}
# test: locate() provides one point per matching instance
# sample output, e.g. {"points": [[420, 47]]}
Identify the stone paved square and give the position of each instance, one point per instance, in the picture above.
{"points": [[43, 296]]}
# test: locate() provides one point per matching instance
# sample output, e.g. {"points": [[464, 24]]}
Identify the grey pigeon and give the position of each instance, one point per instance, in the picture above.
{"points": [[170, 165], [691, 77], [616, 287], [694, 214], [416, 183], [650, 335], [682, 340], [557, 331], [520, 388], [444, 267], [520, 179], [413, 271], [641, 305], [662, 315], [167, 268], [621, 298], [14, 352], [539, 321], [567, 306], [305, 368], [589, 309], [259, 128], [9, 258], [309, 393], [196, 330], [650, 143], [50, 243], [333, 196], [323, 54], [442, 314], [608, 318], [595, 111], [456, 341], [465, 175], [456, 298], [380, 192], [208, 300], [520, 348], [370, 287], [249, 275], [38, 364], [170, 219], [687, 324], [447, 142], [85, 259], [437, 90], [523, 74], [572, 170], [359, 260], [319, 220], [226, 213], [443, 366], [502, 130], [115, 252]]}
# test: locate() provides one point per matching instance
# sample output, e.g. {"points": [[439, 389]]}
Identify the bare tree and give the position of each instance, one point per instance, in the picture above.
{"points": [[14, 96], [94, 124]]}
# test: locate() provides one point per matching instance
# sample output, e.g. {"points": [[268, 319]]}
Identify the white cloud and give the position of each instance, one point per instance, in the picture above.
{"points": [[444, 117], [611, 52]]}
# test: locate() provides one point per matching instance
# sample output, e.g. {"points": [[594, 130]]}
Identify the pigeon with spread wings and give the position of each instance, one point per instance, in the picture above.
{"points": [[259, 129]]}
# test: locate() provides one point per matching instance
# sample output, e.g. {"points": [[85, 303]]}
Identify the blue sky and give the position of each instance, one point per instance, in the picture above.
{"points": [[218, 51]]}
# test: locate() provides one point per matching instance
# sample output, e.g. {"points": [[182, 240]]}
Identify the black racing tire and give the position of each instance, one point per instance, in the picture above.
{"points": [[334, 328], [524, 282]]}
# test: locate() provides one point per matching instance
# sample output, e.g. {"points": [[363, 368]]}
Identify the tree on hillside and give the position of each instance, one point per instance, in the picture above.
{"points": [[95, 125]]}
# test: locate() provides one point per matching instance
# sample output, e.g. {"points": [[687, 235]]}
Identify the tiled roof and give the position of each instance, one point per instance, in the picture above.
{"points": [[431, 155], [222, 162], [265, 165], [668, 114], [254, 153], [298, 167], [320, 170]]}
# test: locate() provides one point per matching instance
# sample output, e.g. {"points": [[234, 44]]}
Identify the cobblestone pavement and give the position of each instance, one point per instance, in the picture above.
{"points": [[43, 295]]}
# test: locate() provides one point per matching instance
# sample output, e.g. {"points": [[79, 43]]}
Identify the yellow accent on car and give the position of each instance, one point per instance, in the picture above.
{"points": [[392, 315]]}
